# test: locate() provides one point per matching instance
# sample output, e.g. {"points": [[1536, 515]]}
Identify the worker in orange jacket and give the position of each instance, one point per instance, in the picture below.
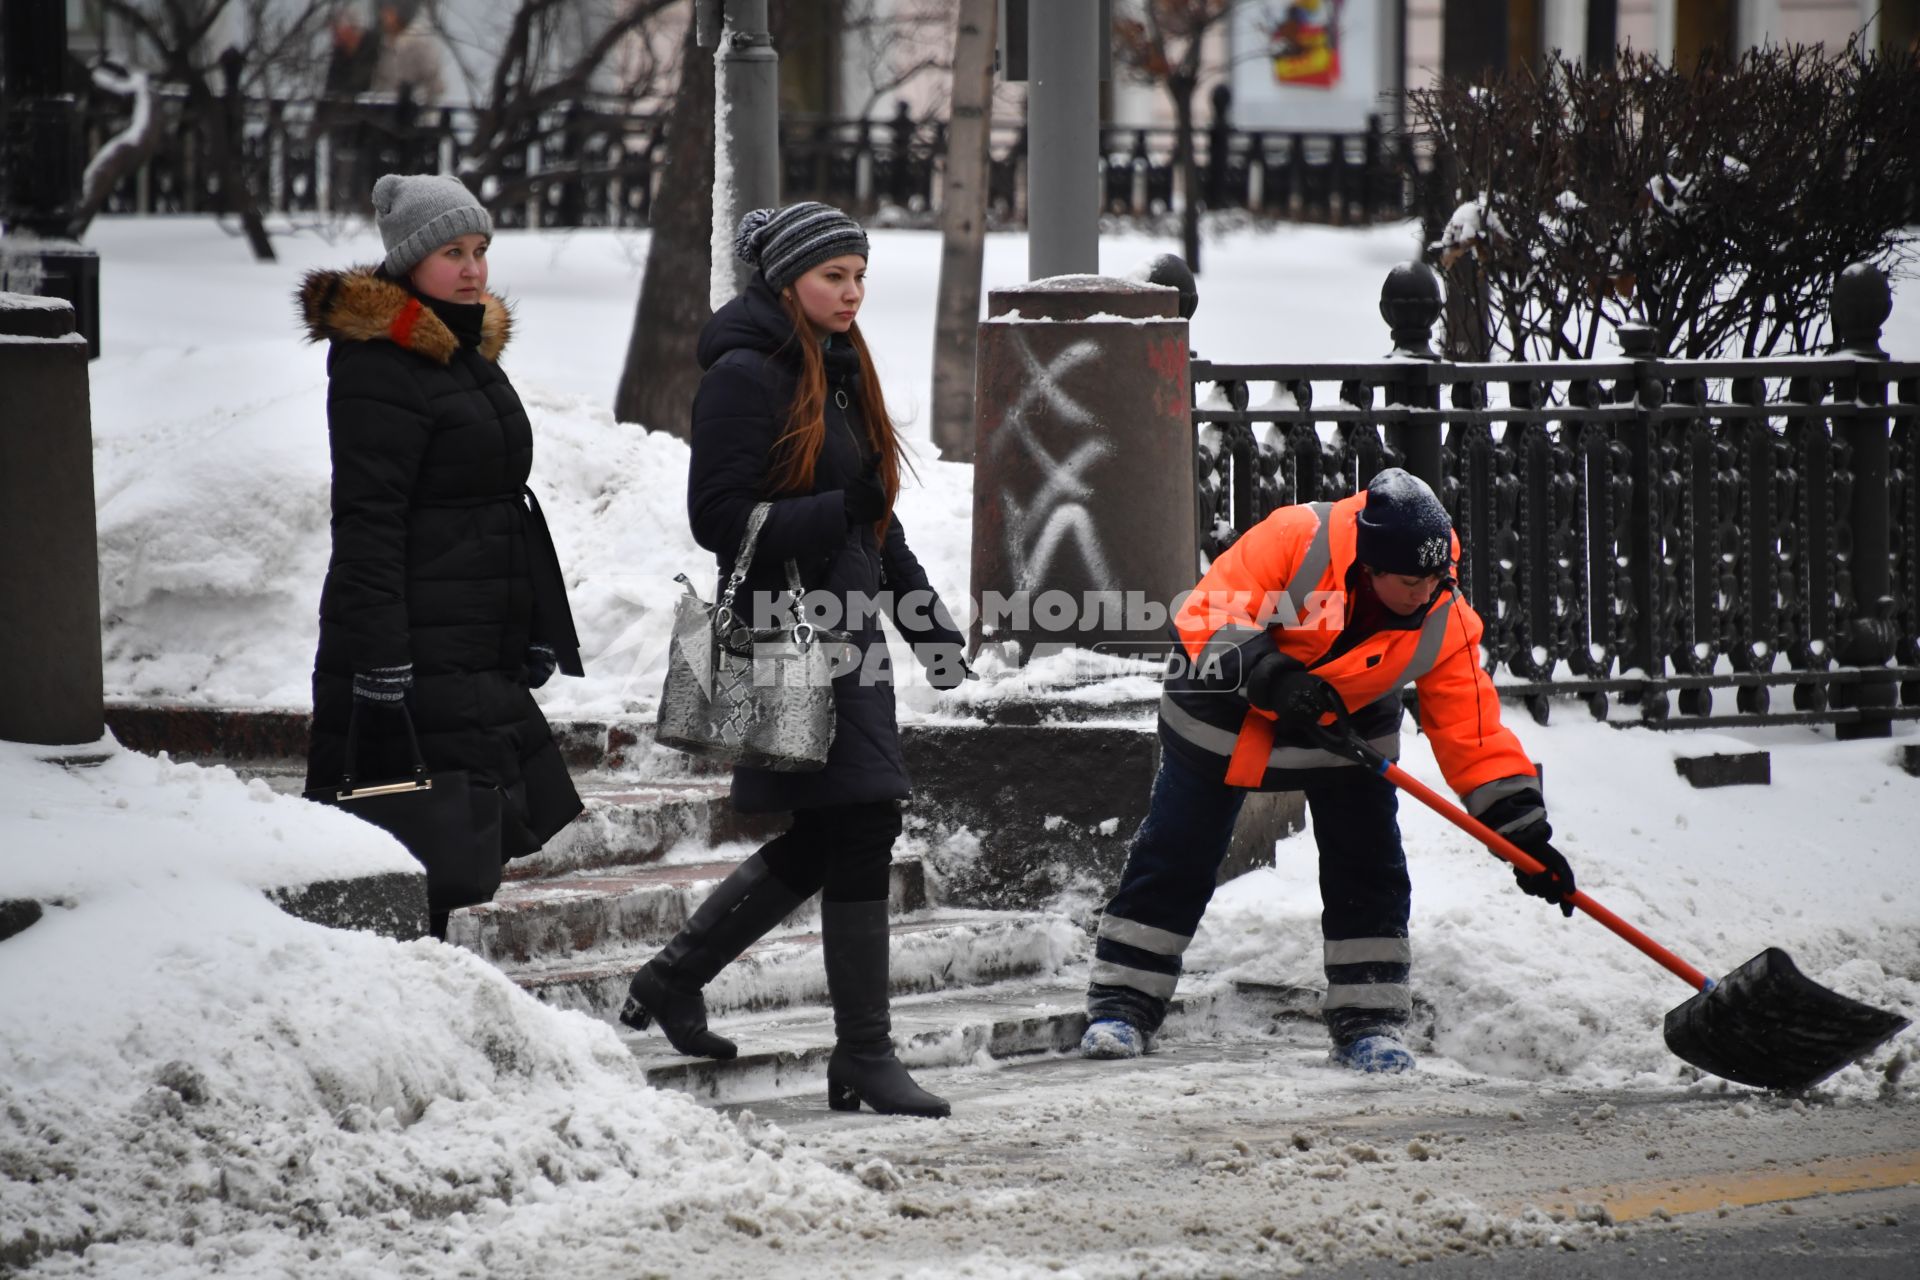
{"points": [[1320, 607]]}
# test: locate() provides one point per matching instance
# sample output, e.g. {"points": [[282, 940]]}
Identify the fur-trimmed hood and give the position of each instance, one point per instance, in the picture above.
{"points": [[360, 305]]}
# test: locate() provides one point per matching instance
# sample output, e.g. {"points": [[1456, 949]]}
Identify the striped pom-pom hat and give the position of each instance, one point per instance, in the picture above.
{"points": [[787, 243]]}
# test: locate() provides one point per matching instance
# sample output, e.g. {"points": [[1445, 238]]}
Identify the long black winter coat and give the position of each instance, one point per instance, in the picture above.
{"points": [[435, 551], [752, 367]]}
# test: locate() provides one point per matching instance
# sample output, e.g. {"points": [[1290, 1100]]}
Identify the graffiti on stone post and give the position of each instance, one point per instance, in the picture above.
{"points": [[1056, 511]]}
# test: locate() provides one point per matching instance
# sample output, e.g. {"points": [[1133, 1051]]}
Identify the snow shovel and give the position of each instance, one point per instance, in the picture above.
{"points": [[1765, 1024]]}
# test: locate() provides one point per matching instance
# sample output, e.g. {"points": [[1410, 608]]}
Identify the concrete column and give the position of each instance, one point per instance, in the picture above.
{"points": [[1084, 483], [1064, 40], [50, 679]]}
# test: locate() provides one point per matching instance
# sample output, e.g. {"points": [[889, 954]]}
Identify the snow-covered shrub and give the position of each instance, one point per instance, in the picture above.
{"points": [[1714, 203]]}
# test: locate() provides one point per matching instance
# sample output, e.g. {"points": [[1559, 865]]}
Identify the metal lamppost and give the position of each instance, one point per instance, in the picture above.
{"points": [[747, 117], [41, 165]]}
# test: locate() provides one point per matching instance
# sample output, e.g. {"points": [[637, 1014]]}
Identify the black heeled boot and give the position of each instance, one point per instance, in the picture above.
{"points": [[735, 915], [863, 1067]]}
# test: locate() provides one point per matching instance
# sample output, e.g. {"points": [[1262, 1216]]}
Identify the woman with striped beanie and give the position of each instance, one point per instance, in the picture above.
{"points": [[790, 412]]}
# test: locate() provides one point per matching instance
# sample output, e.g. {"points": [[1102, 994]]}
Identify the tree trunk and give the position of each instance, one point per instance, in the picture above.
{"points": [[124, 153], [661, 373], [218, 117], [963, 230], [1189, 176]]}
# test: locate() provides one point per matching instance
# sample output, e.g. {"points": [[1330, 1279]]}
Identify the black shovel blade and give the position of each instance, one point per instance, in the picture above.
{"points": [[1767, 1024]]}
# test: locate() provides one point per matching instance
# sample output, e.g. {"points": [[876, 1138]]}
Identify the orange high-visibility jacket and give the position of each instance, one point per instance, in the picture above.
{"points": [[1284, 585]]}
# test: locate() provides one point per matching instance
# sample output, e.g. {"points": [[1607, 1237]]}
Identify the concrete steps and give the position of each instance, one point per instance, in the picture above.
{"points": [[1045, 797], [628, 822], [583, 913], [933, 950]]}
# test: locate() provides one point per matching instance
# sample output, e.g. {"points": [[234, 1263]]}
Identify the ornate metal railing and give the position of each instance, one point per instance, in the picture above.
{"points": [[1713, 533], [595, 163]]}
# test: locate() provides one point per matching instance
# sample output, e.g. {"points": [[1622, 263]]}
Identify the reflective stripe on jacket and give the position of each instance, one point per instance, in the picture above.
{"points": [[1284, 586]]}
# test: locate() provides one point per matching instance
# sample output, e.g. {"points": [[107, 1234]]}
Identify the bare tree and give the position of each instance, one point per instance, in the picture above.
{"points": [[125, 151], [661, 373], [176, 33], [522, 65], [1163, 42], [899, 42], [963, 229]]}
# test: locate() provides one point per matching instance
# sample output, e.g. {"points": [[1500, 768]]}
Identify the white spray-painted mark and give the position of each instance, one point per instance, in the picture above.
{"points": [[1036, 528]]}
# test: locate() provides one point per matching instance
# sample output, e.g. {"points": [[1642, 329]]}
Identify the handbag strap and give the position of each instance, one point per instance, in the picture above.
{"points": [[353, 744], [723, 615]]}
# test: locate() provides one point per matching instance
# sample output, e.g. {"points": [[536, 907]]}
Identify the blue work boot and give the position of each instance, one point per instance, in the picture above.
{"points": [[1112, 1038], [1372, 1053]]}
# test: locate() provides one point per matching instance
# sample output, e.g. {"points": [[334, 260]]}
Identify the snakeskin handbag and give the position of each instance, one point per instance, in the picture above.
{"points": [[756, 697]]}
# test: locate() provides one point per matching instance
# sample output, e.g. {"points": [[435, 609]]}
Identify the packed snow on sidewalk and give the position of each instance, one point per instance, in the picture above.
{"points": [[200, 1085]]}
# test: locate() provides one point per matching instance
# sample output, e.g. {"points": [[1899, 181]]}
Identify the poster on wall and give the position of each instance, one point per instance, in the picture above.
{"points": [[1306, 64]]}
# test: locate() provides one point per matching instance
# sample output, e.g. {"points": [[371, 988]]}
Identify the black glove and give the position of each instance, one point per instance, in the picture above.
{"points": [[541, 663], [1533, 835], [1297, 698], [866, 496], [383, 686]]}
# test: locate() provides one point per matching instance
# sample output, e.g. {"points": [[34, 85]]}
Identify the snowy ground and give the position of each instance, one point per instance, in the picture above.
{"points": [[197, 1084]]}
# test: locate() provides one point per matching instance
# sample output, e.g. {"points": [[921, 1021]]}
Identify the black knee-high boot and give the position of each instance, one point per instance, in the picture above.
{"points": [[864, 1068], [667, 989]]}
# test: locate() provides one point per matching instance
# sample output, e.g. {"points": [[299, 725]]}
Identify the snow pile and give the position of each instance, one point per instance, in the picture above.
{"points": [[1516, 991], [194, 1080], [191, 1078], [135, 823]]}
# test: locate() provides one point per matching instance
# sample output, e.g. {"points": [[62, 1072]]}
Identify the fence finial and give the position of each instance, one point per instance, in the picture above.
{"points": [[1171, 269], [1862, 300], [1410, 304]]}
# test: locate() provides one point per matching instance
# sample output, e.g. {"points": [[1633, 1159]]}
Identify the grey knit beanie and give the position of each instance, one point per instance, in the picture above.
{"points": [[419, 212], [787, 243]]}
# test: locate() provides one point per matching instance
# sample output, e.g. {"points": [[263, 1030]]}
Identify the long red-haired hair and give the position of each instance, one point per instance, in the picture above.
{"points": [[797, 452]]}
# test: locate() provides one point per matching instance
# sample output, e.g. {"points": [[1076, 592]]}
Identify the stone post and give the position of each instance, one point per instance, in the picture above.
{"points": [[1084, 482], [50, 679]]}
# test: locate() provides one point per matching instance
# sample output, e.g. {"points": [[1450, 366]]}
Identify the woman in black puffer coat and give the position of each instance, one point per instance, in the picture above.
{"points": [[443, 593], [789, 412]]}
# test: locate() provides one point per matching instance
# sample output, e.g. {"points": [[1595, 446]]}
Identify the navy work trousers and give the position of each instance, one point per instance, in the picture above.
{"points": [[1169, 879]]}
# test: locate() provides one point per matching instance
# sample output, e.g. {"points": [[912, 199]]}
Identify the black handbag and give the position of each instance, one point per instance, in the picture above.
{"points": [[448, 821]]}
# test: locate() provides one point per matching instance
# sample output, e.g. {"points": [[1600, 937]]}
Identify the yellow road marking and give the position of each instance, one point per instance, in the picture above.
{"points": [[1627, 1201]]}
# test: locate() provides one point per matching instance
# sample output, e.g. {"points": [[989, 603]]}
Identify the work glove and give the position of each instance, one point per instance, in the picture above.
{"points": [[383, 686], [1533, 835], [866, 496], [1297, 698], [541, 663], [947, 666]]}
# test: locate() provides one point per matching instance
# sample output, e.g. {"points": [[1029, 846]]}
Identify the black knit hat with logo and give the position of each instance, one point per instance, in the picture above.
{"points": [[1403, 528]]}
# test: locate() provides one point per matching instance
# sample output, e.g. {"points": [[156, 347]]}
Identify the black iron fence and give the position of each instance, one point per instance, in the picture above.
{"points": [[1737, 537], [595, 164]]}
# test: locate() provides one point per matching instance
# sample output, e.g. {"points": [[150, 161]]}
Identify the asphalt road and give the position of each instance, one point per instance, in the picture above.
{"points": [[1245, 1155]]}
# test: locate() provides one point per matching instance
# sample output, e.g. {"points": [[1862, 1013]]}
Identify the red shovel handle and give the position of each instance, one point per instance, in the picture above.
{"points": [[1341, 737], [1513, 853]]}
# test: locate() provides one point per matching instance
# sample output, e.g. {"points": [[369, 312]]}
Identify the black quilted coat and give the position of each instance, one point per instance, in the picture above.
{"points": [[437, 558], [752, 367]]}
